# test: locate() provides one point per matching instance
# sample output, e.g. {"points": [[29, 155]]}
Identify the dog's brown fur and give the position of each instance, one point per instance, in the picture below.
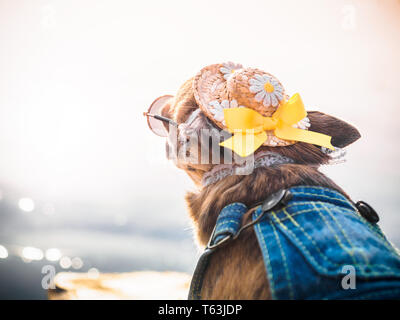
{"points": [[237, 271]]}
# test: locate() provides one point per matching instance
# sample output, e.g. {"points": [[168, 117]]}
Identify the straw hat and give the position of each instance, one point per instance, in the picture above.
{"points": [[230, 85]]}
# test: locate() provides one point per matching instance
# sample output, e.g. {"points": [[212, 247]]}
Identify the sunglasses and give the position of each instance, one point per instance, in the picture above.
{"points": [[157, 122]]}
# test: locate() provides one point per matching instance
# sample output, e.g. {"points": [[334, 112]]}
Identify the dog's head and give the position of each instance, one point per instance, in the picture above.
{"points": [[194, 130]]}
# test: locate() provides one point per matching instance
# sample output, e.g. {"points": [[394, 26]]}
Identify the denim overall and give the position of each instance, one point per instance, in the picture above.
{"points": [[316, 246]]}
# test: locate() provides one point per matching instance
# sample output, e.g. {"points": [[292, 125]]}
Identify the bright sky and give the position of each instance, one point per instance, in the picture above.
{"points": [[75, 77]]}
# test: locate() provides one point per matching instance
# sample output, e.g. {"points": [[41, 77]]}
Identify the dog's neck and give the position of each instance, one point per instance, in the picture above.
{"points": [[205, 205]]}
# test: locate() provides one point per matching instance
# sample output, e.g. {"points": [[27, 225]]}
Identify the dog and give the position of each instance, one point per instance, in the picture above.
{"points": [[237, 270]]}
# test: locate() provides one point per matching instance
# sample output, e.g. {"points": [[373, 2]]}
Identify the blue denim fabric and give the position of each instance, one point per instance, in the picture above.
{"points": [[306, 244], [229, 221]]}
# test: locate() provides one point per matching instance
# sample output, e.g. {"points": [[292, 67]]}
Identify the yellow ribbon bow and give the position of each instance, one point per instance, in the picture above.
{"points": [[248, 127]]}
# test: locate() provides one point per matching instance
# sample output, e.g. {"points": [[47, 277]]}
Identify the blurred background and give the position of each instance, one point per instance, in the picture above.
{"points": [[84, 185]]}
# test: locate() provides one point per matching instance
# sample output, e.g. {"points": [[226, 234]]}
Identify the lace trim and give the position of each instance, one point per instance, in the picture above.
{"points": [[262, 159], [336, 156]]}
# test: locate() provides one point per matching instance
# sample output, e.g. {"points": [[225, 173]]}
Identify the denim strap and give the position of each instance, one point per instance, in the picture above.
{"points": [[228, 224]]}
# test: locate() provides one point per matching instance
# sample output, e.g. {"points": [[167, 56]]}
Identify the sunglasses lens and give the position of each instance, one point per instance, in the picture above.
{"points": [[157, 126]]}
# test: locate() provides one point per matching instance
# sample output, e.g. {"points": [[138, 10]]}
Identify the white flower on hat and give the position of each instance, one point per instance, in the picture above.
{"points": [[267, 89], [229, 68], [218, 108]]}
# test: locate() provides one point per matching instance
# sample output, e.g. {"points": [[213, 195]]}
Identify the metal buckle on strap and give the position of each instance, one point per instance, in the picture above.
{"points": [[222, 241], [281, 197]]}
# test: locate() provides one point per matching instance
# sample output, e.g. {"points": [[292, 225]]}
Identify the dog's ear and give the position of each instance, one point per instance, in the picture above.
{"points": [[341, 132]]}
